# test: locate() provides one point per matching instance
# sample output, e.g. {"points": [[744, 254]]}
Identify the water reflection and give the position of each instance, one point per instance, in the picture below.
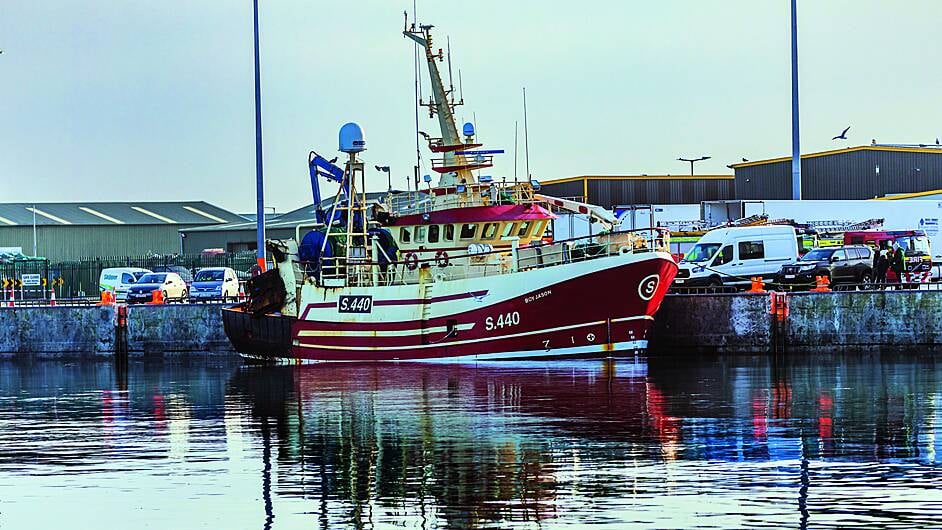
{"points": [[706, 443]]}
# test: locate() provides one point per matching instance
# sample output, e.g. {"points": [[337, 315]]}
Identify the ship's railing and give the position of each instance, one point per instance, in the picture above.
{"points": [[409, 268], [460, 196]]}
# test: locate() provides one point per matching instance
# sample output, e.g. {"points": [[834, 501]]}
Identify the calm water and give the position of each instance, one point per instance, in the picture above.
{"points": [[680, 443]]}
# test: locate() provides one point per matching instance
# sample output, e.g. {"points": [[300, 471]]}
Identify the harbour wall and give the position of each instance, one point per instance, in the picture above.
{"points": [[74, 331], [878, 321], [863, 321]]}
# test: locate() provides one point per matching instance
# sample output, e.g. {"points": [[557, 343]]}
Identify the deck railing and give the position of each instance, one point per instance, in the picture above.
{"points": [[479, 261]]}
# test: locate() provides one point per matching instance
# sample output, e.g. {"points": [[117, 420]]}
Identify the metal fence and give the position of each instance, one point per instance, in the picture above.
{"points": [[79, 279]]}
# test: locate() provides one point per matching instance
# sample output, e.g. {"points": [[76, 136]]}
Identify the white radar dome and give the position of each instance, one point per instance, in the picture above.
{"points": [[351, 138], [468, 129]]}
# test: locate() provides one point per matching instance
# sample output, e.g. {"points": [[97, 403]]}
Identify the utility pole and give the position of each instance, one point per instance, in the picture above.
{"points": [[692, 161], [259, 187], [796, 149]]}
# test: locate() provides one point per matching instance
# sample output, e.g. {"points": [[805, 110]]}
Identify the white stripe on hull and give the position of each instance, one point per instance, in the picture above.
{"points": [[469, 341], [525, 354]]}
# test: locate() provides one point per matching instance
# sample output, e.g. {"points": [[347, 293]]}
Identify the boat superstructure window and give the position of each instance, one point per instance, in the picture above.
{"points": [[420, 234], [524, 229], [508, 229], [468, 230], [449, 234], [404, 235], [489, 231], [433, 232]]}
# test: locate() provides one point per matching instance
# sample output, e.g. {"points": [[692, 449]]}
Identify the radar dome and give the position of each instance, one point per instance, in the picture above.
{"points": [[468, 129], [351, 138]]}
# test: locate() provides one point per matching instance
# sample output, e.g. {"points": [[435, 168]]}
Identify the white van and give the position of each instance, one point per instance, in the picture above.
{"points": [[734, 255], [117, 280]]}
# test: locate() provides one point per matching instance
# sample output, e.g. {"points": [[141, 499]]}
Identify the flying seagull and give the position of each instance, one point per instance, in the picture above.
{"points": [[333, 160], [843, 135]]}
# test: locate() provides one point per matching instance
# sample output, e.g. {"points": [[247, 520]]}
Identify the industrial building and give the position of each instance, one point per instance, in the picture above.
{"points": [[241, 235], [863, 172], [72, 231], [611, 191]]}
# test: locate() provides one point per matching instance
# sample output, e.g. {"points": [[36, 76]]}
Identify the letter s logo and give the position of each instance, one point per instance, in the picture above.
{"points": [[648, 286]]}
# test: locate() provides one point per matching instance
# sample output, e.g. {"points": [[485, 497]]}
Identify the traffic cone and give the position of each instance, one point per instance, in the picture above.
{"points": [[52, 297], [157, 297], [12, 298]]}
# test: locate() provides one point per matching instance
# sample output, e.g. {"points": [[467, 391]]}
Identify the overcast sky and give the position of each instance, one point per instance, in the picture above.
{"points": [[153, 100]]}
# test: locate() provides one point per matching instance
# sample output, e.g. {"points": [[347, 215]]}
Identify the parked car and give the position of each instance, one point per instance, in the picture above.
{"points": [[214, 283], [734, 255], [179, 270], [119, 279], [169, 283], [846, 264]]}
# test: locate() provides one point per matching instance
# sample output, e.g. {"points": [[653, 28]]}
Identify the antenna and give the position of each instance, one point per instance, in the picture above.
{"points": [[526, 136], [451, 85], [460, 88], [418, 94], [515, 151]]}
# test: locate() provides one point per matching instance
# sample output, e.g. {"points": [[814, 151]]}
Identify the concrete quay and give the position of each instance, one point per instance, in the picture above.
{"points": [[742, 323], [71, 332], [834, 322]]}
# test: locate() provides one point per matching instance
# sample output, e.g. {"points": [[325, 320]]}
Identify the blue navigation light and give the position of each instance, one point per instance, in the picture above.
{"points": [[427, 178], [468, 129]]}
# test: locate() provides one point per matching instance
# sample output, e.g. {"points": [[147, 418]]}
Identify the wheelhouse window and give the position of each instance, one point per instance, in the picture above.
{"points": [[404, 235], [433, 232], [508, 229], [524, 229], [420, 234], [449, 233], [489, 231], [468, 230]]}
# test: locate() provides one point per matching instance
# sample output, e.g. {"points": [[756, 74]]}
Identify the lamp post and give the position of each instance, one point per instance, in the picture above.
{"points": [[796, 148], [259, 188], [692, 161], [385, 169]]}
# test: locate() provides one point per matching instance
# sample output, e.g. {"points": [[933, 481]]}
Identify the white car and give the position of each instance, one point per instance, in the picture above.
{"points": [[169, 283], [119, 279], [215, 283]]}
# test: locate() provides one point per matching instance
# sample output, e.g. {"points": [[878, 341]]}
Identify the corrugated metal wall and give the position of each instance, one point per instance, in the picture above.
{"points": [[613, 192], [610, 193], [64, 242], [851, 175], [231, 240]]}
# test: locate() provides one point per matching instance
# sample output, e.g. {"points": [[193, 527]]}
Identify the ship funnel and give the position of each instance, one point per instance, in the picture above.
{"points": [[351, 138], [468, 129]]}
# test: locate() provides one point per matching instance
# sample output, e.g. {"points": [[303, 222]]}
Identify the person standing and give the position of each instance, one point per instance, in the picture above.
{"points": [[882, 263], [898, 262]]}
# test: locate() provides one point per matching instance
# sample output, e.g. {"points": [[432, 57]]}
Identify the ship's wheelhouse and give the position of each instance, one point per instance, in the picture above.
{"points": [[434, 236]]}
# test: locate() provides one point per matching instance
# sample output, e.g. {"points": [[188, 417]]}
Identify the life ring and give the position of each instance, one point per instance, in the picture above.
{"points": [[411, 259], [441, 258]]}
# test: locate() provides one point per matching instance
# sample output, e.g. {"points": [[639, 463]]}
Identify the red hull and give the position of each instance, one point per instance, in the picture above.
{"points": [[566, 322]]}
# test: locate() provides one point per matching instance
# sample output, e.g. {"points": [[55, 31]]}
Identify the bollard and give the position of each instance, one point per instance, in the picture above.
{"points": [[157, 297], [757, 285]]}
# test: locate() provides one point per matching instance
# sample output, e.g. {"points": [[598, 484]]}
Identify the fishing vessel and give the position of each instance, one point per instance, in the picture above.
{"points": [[460, 270]]}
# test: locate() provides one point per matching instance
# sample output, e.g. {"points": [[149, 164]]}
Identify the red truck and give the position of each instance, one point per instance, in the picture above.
{"points": [[915, 245]]}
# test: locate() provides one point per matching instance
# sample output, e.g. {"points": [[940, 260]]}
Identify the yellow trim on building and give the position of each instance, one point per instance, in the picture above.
{"points": [[586, 178], [839, 151], [909, 195]]}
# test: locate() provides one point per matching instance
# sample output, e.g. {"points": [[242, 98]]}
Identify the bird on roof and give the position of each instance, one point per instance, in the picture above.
{"points": [[843, 135], [936, 141], [745, 160]]}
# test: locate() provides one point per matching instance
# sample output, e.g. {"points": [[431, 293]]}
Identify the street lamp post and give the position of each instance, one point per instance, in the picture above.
{"points": [[259, 188], [692, 161]]}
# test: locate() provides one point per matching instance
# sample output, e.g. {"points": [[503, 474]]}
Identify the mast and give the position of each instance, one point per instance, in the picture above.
{"points": [[442, 105]]}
